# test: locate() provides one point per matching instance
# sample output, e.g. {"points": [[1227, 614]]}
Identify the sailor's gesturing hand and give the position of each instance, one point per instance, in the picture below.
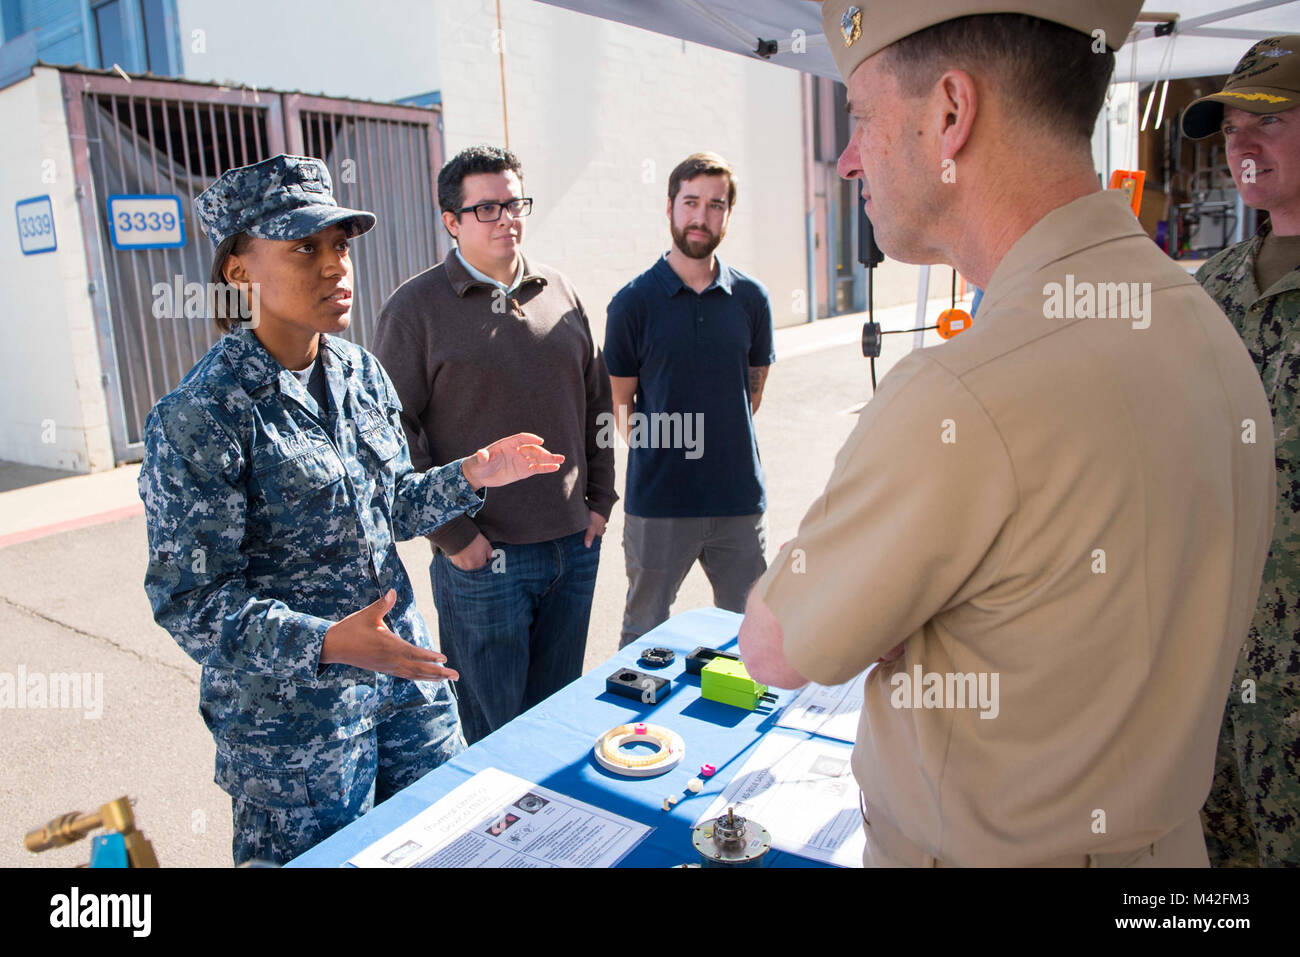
{"points": [[363, 640], [507, 460]]}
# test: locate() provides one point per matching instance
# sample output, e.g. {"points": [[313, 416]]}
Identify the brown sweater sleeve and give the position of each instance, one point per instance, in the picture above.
{"points": [[600, 493], [401, 348], [404, 348]]}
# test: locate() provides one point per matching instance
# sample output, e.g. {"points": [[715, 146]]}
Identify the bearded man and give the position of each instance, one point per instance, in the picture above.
{"points": [[688, 344]]}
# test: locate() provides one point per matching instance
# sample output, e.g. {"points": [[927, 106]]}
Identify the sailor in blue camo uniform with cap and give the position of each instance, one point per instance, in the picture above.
{"points": [[276, 482]]}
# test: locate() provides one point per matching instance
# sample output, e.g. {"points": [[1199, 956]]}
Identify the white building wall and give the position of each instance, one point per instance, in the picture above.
{"points": [[599, 114], [367, 50], [53, 411]]}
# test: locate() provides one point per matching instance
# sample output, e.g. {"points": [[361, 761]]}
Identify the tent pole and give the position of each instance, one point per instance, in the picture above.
{"points": [[809, 203], [922, 300]]}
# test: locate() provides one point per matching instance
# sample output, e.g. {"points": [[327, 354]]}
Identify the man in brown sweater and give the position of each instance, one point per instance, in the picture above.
{"points": [[481, 339]]}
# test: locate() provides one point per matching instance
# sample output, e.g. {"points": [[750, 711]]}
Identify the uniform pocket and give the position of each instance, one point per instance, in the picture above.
{"points": [[300, 477], [381, 439], [262, 786], [274, 819]]}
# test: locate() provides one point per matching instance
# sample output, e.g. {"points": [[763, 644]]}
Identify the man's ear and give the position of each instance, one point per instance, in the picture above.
{"points": [[449, 220], [958, 102]]}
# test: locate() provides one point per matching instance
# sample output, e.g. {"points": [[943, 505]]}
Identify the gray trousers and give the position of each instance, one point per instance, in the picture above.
{"points": [[660, 551]]}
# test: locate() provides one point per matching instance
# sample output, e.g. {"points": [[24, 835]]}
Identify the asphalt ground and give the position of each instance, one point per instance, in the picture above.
{"points": [[73, 602]]}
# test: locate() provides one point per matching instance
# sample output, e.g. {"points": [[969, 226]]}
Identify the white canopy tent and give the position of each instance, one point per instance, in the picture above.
{"points": [[1172, 39], [1207, 38]]}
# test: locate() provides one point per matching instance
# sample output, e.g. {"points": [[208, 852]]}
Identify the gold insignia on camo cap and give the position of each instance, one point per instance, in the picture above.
{"points": [[1266, 80], [854, 31]]}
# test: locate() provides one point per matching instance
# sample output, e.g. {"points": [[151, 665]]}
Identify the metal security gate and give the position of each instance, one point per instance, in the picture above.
{"points": [[151, 137], [384, 159]]}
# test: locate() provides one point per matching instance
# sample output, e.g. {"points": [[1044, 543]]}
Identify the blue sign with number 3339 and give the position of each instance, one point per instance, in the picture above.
{"points": [[36, 225], [145, 222]]}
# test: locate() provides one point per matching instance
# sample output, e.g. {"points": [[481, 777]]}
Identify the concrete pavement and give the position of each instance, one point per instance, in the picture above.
{"points": [[72, 560]]}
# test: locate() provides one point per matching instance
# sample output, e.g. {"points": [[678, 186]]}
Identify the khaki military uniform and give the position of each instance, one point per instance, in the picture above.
{"points": [[1253, 814], [1080, 507]]}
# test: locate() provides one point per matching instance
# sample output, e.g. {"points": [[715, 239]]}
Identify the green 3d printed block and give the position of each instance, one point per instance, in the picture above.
{"points": [[727, 681]]}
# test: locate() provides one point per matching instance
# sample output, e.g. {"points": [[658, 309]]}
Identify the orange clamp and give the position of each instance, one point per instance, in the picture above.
{"points": [[1130, 181], [953, 321]]}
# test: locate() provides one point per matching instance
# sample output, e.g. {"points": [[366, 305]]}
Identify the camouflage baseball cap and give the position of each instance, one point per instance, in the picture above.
{"points": [[284, 197], [1266, 80]]}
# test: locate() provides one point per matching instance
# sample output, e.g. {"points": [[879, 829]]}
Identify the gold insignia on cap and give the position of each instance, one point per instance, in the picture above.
{"points": [[1267, 98], [851, 25], [1276, 52]]}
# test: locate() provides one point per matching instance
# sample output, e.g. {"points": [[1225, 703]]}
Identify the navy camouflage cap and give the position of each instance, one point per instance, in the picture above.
{"points": [[284, 197]]}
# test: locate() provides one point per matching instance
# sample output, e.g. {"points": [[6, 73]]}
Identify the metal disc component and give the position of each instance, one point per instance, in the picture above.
{"points": [[658, 657], [731, 841]]}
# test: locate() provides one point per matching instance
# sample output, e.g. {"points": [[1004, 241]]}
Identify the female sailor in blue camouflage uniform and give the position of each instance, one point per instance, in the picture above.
{"points": [[274, 499]]}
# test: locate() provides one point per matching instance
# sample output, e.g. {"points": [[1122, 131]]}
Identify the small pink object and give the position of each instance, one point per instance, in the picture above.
{"points": [[638, 728], [707, 770]]}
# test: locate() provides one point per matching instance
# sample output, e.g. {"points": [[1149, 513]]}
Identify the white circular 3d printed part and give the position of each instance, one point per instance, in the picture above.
{"points": [[610, 754]]}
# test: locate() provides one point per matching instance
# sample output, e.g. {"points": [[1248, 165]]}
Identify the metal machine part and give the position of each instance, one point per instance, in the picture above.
{"points": [[630, 683], [657, 657], [701, 656], [731, 841]]}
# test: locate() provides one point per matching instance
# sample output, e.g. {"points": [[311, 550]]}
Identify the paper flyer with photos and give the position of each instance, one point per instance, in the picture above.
{"points": [[498, 820]]}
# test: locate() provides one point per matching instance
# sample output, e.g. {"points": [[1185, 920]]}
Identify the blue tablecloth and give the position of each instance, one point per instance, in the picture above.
{"points": [[551, 745]]}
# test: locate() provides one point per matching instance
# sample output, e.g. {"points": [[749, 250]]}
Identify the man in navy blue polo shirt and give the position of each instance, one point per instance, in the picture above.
{"points": [[688, 344]]}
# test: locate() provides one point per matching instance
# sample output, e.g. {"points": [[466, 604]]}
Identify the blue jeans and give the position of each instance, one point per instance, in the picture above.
{"points": [[515, 629]]}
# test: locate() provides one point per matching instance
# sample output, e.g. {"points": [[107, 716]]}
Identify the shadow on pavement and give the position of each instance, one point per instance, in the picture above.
{"points": [[14, 475]]}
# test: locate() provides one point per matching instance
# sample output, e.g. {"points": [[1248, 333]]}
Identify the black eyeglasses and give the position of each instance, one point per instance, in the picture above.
{"points": [[491, 212]]}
